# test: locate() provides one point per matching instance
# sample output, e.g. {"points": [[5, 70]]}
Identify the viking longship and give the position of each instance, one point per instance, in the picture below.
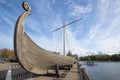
{"points": [[30, 56]]}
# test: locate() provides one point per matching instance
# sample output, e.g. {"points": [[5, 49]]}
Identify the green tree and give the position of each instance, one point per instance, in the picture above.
{"points": [[116, 57], [87, 58], [5, 53], [69, 54]]}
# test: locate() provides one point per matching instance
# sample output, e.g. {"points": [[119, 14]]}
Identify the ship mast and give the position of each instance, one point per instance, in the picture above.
{"points": [[64, 30], [64, 39]]}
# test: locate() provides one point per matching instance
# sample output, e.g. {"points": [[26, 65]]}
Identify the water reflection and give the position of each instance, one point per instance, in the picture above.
{"points": [[103, 71]]}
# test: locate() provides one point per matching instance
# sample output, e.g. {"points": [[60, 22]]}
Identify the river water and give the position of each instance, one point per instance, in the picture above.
{"points": [[103, 70]]}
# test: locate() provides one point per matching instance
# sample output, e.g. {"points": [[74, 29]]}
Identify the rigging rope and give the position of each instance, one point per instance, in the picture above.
{"points": [[58, 43], [67, 40]]}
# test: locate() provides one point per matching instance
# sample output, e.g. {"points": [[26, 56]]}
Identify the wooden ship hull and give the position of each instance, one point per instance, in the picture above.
{"points": [[30, 56]]}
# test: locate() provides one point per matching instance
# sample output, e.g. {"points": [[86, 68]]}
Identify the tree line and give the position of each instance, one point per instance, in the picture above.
{"points": [[7, 53], [114, 57]]}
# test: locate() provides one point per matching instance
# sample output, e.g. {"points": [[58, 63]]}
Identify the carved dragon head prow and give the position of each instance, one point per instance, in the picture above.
{"points": [[26, 6]]}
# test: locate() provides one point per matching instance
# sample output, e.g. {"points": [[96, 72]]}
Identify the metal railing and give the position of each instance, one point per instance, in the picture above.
{"points": [[15, 72], [82, 73]]}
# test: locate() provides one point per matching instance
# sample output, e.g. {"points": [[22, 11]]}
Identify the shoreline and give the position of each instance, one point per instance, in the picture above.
{"points": [[103, 61]]}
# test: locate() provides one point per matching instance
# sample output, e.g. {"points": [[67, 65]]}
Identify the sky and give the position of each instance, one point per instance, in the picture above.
{"points": [[97, 33]]}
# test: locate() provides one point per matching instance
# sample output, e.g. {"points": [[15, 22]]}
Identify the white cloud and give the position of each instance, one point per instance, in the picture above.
{"points": [[33, 25], [77, 10], [8, 21], [7, 16], [6, 41], [105, 32]]}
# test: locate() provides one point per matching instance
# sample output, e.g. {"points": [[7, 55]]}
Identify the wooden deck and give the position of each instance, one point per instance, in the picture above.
{"points": [[72, 74]]}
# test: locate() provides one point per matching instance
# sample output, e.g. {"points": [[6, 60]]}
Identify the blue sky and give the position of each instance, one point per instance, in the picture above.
{"points": [[98, 31]]}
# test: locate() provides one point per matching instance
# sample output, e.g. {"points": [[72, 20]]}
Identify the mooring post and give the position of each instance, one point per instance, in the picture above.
{"points": [[69, 67], [31, 75], [57, 70], [47, 71], [8, 77]]}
